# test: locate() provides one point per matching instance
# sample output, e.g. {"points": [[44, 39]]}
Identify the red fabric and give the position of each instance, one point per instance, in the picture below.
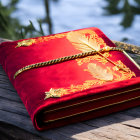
{"points": [[31, 85]]}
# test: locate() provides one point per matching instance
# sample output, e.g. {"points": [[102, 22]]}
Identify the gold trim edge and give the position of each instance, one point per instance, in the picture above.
{"points": [[92, 100], [92, 109]]}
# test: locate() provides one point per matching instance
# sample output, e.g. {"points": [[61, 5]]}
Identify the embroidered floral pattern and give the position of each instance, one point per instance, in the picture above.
{"points": [[118, 74], [97, 57], [47, 38], [86, 85], [122, 75], [29, 42], [55, 93]]}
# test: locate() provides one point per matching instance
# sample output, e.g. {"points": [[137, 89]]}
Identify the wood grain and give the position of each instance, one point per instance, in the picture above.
{"points": [[15, 122]]}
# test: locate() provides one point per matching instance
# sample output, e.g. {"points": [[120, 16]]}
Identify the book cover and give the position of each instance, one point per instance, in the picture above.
{"points": [[70, 77]]}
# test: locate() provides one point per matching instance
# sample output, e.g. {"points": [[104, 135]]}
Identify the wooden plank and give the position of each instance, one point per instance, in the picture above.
{"points": [[14, 120], [7, 132]]}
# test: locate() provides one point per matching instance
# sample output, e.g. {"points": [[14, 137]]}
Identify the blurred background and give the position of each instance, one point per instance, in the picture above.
{"points": [[118, 19]]}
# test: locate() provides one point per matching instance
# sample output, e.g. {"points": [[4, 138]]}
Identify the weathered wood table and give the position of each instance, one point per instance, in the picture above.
{"points": [[15, 122]]}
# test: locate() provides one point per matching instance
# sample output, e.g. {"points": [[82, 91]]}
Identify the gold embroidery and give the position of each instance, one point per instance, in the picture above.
{"points": [[47, 38], [121, 75], [118, 75], [87, 40], [55, 93], [97, 57], [86, 85], [99, 72], [25, 43], [39, 39]]}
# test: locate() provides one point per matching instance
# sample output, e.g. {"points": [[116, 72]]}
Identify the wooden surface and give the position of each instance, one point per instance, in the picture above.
{"points": [[15, 122]]}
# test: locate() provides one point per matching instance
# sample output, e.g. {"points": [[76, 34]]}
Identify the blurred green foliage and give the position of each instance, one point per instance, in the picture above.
{"points": [[128, 10], [11, 28], [8, 26]]}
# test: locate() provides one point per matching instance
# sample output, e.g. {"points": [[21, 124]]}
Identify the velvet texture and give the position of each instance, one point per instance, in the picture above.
{"points": [[82, 96]]}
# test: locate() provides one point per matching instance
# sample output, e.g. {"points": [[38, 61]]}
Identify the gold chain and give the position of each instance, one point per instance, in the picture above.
{"points": [[63, 59]]}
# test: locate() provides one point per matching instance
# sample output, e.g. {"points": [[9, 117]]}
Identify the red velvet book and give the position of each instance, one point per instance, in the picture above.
{"points": [[70, 77]]}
